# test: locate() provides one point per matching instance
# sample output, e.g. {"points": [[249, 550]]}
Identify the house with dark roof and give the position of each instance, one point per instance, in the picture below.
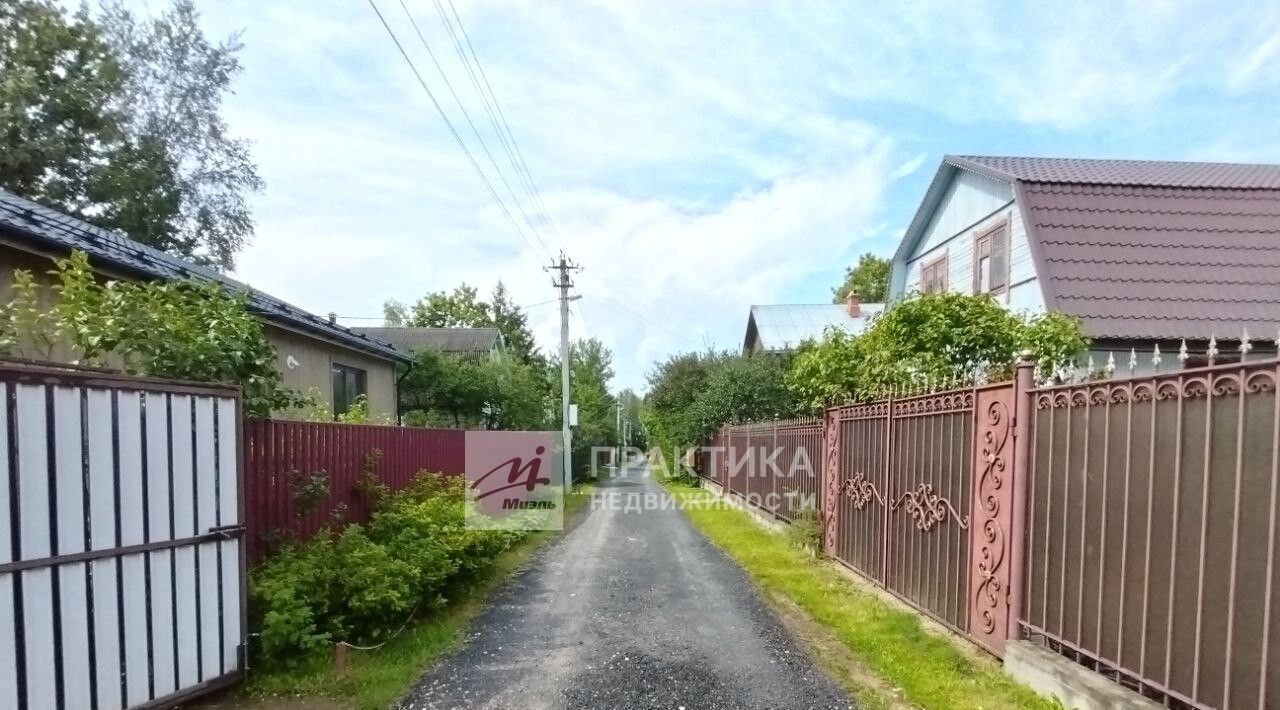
{"points": [[463, 342], [783, 327], [315, 353], [1144, 253]]}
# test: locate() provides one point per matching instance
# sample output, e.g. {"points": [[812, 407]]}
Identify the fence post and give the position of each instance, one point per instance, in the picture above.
{"points": [[889, 491], [830, 478], [774, 487], [1023, 382]]}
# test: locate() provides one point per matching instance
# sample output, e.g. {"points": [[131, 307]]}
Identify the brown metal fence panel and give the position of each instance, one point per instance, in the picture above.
{"points": [[280, 454], [905, 488], [775, 466], [860, 508], [1152, 529], [800, 455]]}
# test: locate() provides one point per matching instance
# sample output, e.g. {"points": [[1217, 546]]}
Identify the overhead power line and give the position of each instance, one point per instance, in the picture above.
{"points": [[523, 308], [456, 136], [475, 131], [492, 106]]}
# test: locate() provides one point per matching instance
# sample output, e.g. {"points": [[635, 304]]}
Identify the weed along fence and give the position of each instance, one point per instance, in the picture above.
{"points": [[301, 476], [772, 465], [1127, 524], [122, 564]]}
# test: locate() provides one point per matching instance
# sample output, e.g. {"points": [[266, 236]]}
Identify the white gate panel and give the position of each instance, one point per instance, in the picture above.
{"points": [[160, 526], [107, 668], [8, 636], [207, 517], [35, 534], [73, 579], [73, 590], [125, 496], [163, 637], [8, 629], [230, 551], [184, 575]]}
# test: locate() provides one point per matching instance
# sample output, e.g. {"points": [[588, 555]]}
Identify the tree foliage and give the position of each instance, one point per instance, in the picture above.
{"points": [[59, 78], [118, 121], [694, 394], [442, 388], [459, 308], [590, 371], [632, 404], [670, 416], [929, 338], [463, 308], [869, 279], [178, 330]]}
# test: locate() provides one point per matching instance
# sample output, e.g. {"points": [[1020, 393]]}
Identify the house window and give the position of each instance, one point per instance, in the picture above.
{"points": [[933, 275], [991, 260], [348, 384]]}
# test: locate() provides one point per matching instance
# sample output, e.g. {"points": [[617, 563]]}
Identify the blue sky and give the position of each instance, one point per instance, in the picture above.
{"points": [[697, 157]]}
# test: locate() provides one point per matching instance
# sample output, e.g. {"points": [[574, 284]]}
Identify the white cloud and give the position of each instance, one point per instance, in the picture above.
{"points": [[696, 157]]}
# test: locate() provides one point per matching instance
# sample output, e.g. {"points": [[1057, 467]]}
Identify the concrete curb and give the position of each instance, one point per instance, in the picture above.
{"points": [[1075, 686]]}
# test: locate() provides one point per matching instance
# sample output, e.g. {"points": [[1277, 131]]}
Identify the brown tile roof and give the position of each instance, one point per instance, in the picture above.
{"points": [[1146, 249]]}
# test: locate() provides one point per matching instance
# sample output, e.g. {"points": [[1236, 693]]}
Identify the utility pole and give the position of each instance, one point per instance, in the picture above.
{"points": [[561, 281], [617, 432]]}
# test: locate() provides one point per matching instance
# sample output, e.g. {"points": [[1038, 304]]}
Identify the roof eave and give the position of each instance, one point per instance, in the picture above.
{"points": [[1036, 248], [50, 247]]}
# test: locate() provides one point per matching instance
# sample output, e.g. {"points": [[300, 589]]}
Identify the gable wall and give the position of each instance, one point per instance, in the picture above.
{"points": [[971, 204]]}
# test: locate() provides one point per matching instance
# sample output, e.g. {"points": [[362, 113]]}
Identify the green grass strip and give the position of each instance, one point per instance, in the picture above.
{"points": [[919, 668]]}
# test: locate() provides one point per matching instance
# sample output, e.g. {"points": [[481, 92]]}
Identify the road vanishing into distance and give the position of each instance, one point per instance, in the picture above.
{"points": [[628, 610]]}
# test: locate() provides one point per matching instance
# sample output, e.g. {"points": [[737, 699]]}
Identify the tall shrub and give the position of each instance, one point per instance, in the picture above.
{"points": [[930, 338]]}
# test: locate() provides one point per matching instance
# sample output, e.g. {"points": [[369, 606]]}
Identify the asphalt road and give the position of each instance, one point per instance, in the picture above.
{"points": [[628, 610]]}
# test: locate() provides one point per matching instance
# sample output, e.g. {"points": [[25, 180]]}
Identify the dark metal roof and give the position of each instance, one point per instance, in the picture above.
{"points": [[53, 230], [1133, 173], [449, 340]]}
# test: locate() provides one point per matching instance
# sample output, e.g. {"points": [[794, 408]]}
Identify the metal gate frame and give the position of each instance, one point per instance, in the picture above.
{"points": [[40, 644], [886, 497]]}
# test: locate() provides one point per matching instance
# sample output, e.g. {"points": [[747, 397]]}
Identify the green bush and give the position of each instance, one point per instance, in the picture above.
{"points": [[361, 584], [927, 340], [291, 594]]}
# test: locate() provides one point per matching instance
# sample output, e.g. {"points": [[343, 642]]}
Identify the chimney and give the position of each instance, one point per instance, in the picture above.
{"points": [[852, 306], [333, 317]]}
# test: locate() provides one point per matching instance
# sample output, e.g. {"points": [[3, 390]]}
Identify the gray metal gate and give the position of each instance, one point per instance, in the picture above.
{"points": [[122, 568]]}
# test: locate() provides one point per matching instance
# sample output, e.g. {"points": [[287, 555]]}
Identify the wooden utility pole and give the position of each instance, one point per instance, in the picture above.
{"points": [[561, 282]]}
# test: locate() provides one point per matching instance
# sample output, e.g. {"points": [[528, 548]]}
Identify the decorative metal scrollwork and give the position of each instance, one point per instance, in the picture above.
{"points": [[991, 550], [954, 401], [860, 491], [830, 477], [927, 508]]}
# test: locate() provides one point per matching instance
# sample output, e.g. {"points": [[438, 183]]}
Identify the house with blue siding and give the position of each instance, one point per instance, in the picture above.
{"points": [[1144, 253]]}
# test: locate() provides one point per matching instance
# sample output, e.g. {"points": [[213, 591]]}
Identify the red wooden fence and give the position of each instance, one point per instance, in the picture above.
{"points": [[277, 453]]}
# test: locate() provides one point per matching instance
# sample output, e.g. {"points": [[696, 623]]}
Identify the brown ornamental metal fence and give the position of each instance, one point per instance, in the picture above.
{"points": [[1152, 532], [901, 507], [1128, 524], [772, 465]]}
